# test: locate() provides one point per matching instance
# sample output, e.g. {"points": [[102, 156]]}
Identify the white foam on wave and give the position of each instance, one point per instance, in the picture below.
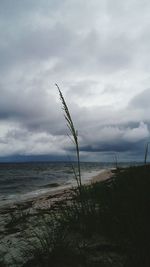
{"points": [[86, 177]]}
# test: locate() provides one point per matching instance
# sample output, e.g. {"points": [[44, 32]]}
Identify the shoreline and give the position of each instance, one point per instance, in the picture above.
{"points": [[61, 194], [104, 224], [48, 199], [102, 176], [19, 218]]}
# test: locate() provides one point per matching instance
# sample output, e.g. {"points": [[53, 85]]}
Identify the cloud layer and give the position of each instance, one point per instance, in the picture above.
{"points": [[98, 52]]}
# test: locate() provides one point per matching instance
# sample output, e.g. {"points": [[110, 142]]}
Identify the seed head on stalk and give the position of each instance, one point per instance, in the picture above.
{"points": [[74, 136]]}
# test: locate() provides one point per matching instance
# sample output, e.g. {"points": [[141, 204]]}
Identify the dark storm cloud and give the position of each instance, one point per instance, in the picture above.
{"points": [[31, 108], [116, 147], [119, 139]]}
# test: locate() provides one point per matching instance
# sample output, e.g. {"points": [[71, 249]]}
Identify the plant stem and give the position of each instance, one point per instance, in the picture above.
{"points": [[74, 138]]}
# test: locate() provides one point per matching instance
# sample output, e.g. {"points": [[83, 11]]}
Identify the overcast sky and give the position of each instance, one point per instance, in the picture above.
{"points": [[98, 51]]}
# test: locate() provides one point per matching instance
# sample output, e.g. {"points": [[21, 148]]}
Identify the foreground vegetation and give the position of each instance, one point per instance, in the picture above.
{"points": [[106, 225], [109, 226]]}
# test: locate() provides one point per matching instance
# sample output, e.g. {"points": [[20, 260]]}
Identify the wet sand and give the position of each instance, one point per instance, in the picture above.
{"points": [[107, 174]]}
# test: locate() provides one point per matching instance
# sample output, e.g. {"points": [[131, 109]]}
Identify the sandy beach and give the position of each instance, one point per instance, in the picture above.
{"points": [[48, 199], [41, 203], [107, 174], [27, 213]]}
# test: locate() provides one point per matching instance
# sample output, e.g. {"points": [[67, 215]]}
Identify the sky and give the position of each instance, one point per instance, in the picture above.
{"points": [[98, 52]]}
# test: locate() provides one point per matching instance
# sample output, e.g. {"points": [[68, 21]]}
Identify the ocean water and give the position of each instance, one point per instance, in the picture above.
{"points": [[24, 180]]}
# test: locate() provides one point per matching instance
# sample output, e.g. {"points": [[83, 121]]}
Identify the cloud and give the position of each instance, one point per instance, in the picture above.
{"points": [[141, 100], [137, 134], [115, 138], [22, 142], [98, 52]]}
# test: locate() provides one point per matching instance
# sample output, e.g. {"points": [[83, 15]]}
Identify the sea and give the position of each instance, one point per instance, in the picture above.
{"points": [[21, 181]]}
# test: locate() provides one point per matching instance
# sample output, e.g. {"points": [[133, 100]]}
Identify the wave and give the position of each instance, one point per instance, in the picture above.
{"points": [[50, 185]]}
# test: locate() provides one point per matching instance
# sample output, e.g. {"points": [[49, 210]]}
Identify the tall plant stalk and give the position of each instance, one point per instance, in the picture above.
{"points": [[146, 153], [116, 160], [74, 136]]}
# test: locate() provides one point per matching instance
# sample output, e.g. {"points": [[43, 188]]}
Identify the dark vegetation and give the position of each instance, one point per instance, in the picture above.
{"points": [[113, 229]]}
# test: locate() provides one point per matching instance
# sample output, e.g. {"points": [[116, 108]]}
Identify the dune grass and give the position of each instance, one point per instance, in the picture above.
{"points": [[146, 152], [113, 230], [73, 137]]}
